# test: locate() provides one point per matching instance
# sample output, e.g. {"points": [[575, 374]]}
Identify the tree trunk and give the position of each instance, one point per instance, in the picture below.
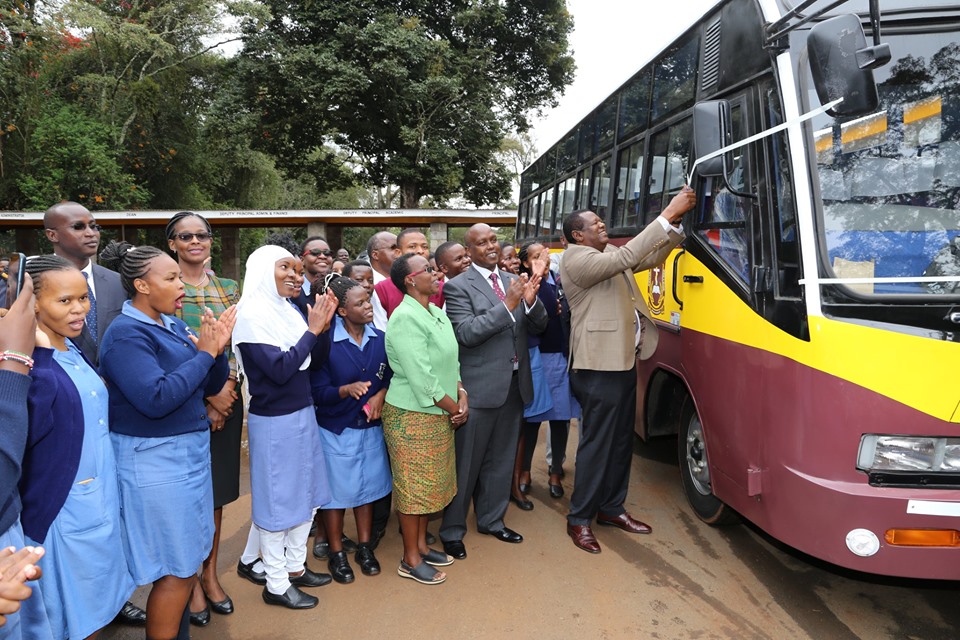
{"points": [[408, 196]]}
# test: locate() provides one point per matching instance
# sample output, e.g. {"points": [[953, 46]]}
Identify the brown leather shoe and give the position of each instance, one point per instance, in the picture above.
{"points": [[583, 537], [624, 521]]}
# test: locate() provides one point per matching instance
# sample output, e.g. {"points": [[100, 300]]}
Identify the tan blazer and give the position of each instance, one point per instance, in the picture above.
{"points": [[603, 293]]}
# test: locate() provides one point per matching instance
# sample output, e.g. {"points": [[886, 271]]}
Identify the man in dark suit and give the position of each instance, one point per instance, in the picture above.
{"points": [[75, 235], [491, 313]]}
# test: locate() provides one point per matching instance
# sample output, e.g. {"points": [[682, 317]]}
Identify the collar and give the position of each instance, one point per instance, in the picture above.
{"points": [[132, 312], [340, 332], [305, 287], [485, 273], [377, 278]]}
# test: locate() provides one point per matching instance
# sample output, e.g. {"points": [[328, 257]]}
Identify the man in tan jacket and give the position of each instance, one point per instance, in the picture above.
{"points": [[610, 328]]}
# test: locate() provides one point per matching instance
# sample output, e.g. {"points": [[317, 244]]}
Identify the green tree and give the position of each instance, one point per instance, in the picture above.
{"points": [[419, 93]]}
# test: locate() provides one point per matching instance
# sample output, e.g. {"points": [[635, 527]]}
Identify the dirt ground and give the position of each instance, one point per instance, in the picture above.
{"points": [[687, 580]]}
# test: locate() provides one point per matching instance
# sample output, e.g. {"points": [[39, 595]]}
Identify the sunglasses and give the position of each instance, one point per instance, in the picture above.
{"points": [[424, 270], [316, 253], [187, 237], [80, 226]]}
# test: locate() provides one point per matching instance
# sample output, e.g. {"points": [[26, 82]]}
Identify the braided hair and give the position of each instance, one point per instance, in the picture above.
{"points": [[39, 266], [132, 263], [524, 254], [170, 230], [340, 287]]}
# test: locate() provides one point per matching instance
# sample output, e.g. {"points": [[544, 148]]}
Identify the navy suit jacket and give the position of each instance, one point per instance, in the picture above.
{"points": [[489, 338], [110, 298]]}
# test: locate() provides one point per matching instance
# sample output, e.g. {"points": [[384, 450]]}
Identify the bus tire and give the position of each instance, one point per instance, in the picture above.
{"points": [[695, 471]]}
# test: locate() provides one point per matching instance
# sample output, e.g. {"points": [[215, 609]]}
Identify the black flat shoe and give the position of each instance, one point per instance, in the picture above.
{"points": [[366, 560], [292, 598], [321, 550], [523, 503], [310, 579], [455, 548], [224, 607], [246, 571], [340, 567], [201, 618], [556, 491], [524, 488], [131, 615], [348, 545]]}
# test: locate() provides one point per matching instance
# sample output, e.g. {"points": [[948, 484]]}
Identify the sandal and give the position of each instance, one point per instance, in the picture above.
{"points": [[437, 558], [422, 573]]}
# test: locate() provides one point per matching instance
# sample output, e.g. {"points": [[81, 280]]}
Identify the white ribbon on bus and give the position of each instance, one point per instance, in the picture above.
{"points": [[780, 127]]}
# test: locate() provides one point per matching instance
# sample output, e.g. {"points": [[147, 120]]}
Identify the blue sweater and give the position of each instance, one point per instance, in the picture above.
{"points": [[156, 377], [13, 441], [277, 385], [349, 363], [55, 441]]}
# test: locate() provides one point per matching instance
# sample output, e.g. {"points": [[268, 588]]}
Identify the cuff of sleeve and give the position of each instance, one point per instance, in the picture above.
{"points": [[669, 227]]}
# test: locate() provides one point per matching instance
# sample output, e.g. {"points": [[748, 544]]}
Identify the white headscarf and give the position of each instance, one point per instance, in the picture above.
{"points": [[263, 317]]}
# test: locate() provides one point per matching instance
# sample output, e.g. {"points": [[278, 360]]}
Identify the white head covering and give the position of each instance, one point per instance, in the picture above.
{"points": [[263, 317]]}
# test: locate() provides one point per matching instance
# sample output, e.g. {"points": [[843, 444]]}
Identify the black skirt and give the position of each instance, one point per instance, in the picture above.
{"points": [[225, 456]]}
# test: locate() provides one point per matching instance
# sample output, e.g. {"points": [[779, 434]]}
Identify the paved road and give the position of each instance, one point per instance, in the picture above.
{"points": [[687, 580]]}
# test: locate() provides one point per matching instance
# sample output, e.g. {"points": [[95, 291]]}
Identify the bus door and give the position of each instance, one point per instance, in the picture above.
{"points": [[720, 280]]}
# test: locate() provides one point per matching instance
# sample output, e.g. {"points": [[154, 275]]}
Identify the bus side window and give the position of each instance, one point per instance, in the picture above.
{"points": [[723, 225], [669, 162], [600, 195], [785, 215]]}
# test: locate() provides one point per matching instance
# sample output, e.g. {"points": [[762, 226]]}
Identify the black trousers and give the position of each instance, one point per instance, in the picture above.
{"points": [[608, 400]]}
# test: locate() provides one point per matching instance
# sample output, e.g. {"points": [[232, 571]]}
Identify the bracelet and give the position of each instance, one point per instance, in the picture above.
{"points": [[462, 390], [16, 356]]}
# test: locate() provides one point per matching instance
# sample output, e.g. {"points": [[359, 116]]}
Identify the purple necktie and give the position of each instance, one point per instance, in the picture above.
{"points": [[496, 287]]}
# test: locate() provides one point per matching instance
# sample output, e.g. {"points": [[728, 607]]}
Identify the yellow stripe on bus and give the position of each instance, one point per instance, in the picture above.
{"points": [[918, 372], [923, 109]]}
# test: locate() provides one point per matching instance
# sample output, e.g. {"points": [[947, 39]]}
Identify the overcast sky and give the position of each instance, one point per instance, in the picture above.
{"points": [[611, 41]]}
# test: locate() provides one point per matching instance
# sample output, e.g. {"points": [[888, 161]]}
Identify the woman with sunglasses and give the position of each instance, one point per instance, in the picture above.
{"points": [[190, 238], [424, 404]]}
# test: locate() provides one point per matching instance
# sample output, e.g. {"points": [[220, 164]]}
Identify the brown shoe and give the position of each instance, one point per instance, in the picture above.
{"points": [[583, 537], [624, 521]]}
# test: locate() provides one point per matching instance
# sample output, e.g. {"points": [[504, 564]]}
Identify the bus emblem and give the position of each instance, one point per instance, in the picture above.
{"points": [[655, 289]]}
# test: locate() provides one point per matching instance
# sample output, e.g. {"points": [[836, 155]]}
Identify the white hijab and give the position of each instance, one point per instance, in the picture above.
{"points": [[263, 317]]}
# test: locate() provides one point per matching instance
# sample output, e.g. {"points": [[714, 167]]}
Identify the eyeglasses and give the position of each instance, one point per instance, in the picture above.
{"points": [[80, 226], [424, 270], [316, 253], [187, 237]]}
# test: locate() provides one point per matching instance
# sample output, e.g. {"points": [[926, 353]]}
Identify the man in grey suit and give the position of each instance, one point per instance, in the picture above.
{"points": [[491, 313], [75, 235]]}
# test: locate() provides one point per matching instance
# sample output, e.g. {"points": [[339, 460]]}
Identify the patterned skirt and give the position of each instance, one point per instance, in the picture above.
{"points": [[422, 459]]}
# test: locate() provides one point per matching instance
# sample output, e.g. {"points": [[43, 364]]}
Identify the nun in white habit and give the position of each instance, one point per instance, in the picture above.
{"points": [[274, 349]]}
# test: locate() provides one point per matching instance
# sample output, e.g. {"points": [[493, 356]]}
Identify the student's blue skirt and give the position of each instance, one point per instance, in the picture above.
{"points": [[357, 466], [166, 498]]}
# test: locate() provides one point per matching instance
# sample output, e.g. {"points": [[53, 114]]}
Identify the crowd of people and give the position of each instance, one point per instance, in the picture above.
{"points": [[406, 380]]}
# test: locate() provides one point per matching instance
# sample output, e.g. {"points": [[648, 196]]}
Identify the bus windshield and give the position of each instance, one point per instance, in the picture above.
{"points": [[890, 181]]}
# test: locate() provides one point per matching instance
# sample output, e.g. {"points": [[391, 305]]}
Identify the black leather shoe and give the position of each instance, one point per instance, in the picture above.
{"points": [[366, 560], [455, 548], [224, 607], [340, 567], [556, 491], [292, 598], [321, 550], [247, 571], [131, 615], [523, 503], [348, 545], [310, 579], [524, 488], [201, 618], [505, 535]]}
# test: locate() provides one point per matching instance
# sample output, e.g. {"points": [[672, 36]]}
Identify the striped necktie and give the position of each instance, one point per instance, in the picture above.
{"points": [[92, 314]]}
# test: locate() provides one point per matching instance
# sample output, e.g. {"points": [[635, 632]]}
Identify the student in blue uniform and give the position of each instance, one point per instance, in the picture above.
{"points": [[75, 513], [275, 347], [348, 393], [158, 371]]}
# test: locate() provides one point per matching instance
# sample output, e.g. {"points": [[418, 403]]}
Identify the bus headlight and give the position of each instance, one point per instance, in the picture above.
{"points": [[908, 453]]}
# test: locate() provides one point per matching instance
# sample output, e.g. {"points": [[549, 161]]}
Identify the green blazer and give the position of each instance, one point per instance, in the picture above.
{"points": [[422, 351]]}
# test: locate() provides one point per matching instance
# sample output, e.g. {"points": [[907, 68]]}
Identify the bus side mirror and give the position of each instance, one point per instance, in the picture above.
{"points": [[711, 132], [841, 64]]}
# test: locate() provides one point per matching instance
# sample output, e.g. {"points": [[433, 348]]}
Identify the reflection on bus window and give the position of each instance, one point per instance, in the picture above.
{"points": [[601, 188], [724, 220], [630, 170], [890, 181], [669, 161]]}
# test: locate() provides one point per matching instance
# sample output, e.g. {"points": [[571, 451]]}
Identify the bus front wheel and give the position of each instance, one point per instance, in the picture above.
{"points": [[695, 471]]}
